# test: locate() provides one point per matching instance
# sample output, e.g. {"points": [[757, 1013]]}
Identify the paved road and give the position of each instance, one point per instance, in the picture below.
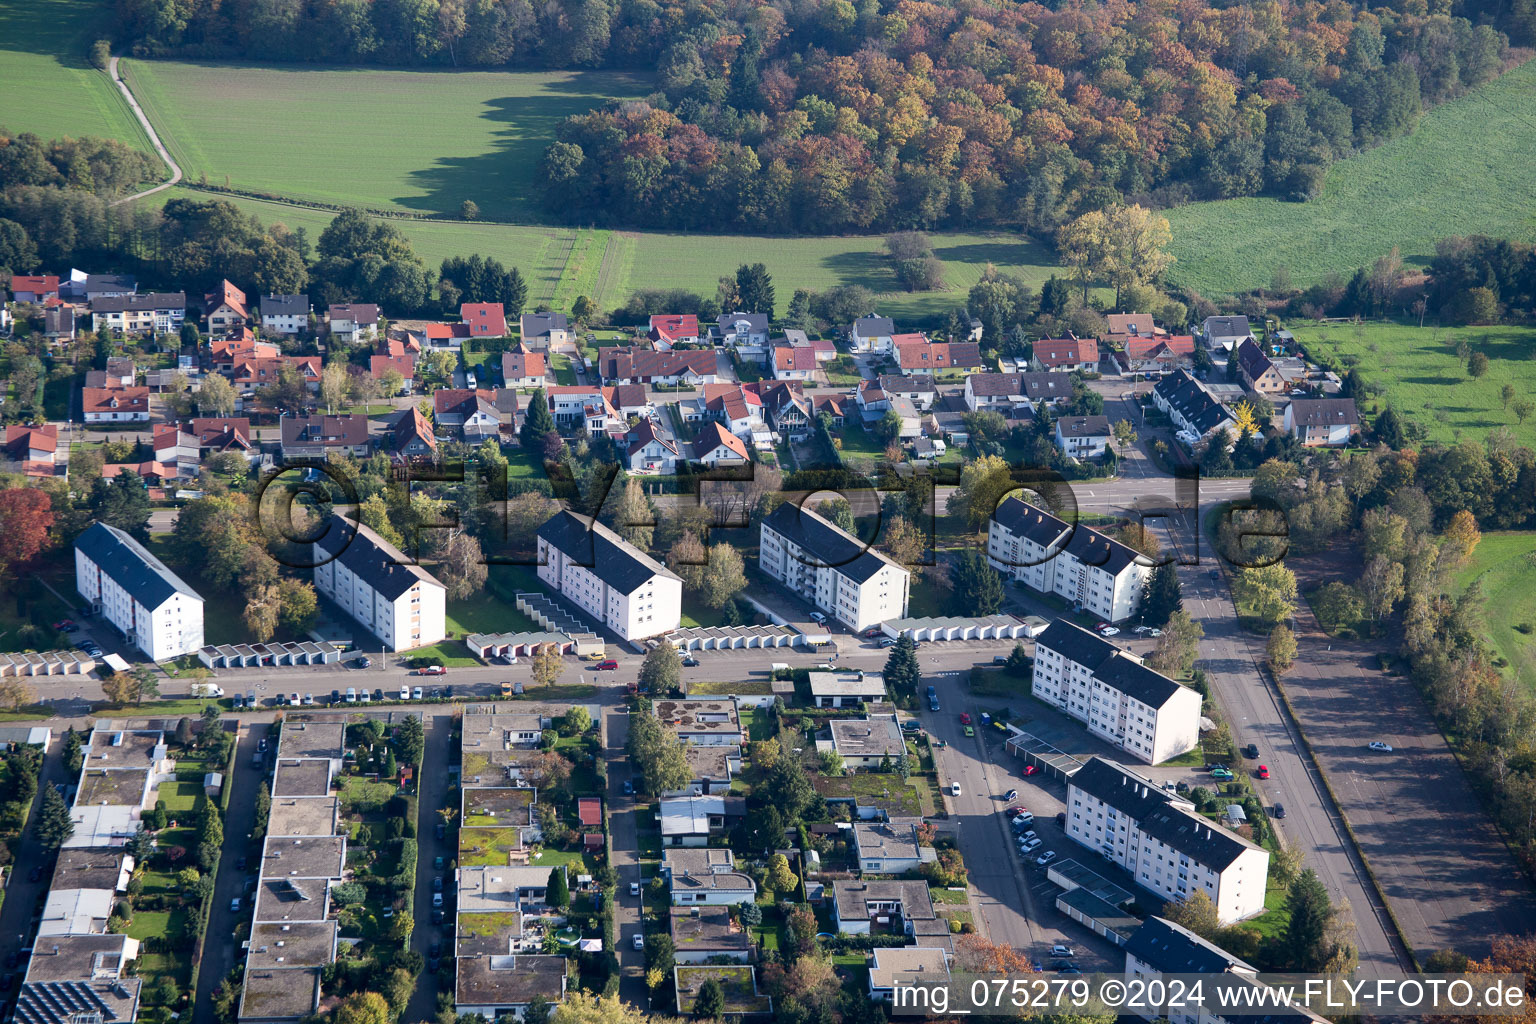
{"points": [[23, 897], [149, 130], [1451, 880], [436, 783], [1231, 659], [227, 928], [624, 827]]}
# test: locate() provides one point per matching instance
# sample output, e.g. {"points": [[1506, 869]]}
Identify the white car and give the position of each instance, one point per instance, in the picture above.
{"points": [[1031, 834], [1110, 631], [417, 693], [405, 693], [1045, 858], [639, 940], [294, 699], [1030, 845], [1024, 819], [1385, 748], [1140, 630], [1154, 632]]}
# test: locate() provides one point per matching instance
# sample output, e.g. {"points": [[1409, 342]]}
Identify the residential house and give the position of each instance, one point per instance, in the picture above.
{"points": [[152, 473], [87, 288], [888, 847], [923, 356], [794, 362], [484, 319], [1190, 405], [1122, 701], [1323, 422], [222, 434], [579, 405], [715, 446], [1095, 572], [225, 310], [874, 402], [871, 334], [672, 329], [353, 322], [701, 723], [1125, 326], [492, 986], [693, 820], [917, 388], [154, 313], [788, 409], [413, 438], [734, 406], [115, 405], [254, 373], [522, 367], [177, 449], [1255, 369], [706, 877], [1225, 332], [1069, 353], [700, 933], [314, 437], [648, 366], [831, 569], [1160, 354], [650, 448], [710, 770], [1083, 437], [285, 314], [59, 322], [399, 602], [34, 288], [737, 330], [907, 966], [404, 365], [224, 353], [1159, 839], [544, 330], [121, 372], [860, 904], [1007, 391], [620, 586], [866, 742], [846, 689], [32, 450], [472, 413], [134, 591]]}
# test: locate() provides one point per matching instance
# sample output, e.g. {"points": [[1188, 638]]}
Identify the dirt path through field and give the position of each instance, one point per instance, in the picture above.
{"points": [[149, 130]]}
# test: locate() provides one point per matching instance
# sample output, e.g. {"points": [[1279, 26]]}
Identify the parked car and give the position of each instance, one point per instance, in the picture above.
{"points": [[416, 694], [437, 862], [1030, 769], [690, 661], [351, 695], [911, 726], [437, 884], [1221, 773], [1030, 845], [607, 666], [234, 905], [437, 899], [1251, 751], [1031, 834], [1016, 809], [309, 699], [1045, 858], [440, 830], [634, 888], [1012, 794], [818, 618], [294, 700], [364, 662], [1060, 950], [1385, 748], [405, 693], [1279, 811], [969, 731], [639, 940], [1023, 820], [432, 670], [889, 641], [1109, 631], [364, 697], [378, 694], [1263, 771], [335, 696], [629, 788], [965, 718]]}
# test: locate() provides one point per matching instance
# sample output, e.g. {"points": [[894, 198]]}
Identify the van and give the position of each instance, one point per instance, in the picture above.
{"points": [[207, 690], [351, 695]]}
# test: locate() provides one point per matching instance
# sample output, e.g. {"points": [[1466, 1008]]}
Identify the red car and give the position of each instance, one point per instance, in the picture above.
{"points": [[608, 665], [872, 632], [1030, 769], [432, 670], [965, 718], [1016, 810], [1263, 772]]}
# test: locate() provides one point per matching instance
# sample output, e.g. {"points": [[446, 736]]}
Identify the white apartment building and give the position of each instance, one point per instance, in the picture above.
{"points": [[372, 581], [1096, 573], [1162, 842], [133, 590], [1121, 700], [833, 570], [617, 584], [1162, 947]]}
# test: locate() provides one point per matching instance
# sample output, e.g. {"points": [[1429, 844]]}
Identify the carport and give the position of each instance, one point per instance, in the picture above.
{"points": [[1056, 763]]}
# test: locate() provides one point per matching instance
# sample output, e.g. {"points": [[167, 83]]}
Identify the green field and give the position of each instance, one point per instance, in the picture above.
{"points": [[46, 84], [1505, 564], [1466, 170], [561, 263], [412, 141], [1426, 381]]}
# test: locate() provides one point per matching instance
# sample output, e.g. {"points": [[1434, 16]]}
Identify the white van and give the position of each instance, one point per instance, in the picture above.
{"points": [[207, 690]]}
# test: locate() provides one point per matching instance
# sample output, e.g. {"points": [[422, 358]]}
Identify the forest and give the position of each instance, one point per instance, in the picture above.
{"points": [[830, 116]]}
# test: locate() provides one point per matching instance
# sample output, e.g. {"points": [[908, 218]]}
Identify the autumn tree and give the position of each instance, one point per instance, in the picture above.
{"points": [[263, 608], [905, 544], [216, 396], [462, 569], [635, 519], [1084, 246], [1197, 912], [662, 669], [1136, 247], [1281, 649], [1268, 593], [121, 687], [689, 559], [547, 664], [724, 575], [26, 516], [15, 694], [1459, 540], [976, 954], [1179, 645]]}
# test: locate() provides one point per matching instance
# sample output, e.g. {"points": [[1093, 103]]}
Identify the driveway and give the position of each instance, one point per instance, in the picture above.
{"points": [[226, 928]]}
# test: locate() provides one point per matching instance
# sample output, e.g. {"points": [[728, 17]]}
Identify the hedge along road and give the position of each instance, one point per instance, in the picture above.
{"points": [[149, 130]]}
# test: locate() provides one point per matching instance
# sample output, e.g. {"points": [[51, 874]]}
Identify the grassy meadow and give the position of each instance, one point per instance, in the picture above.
{"points": [[1465, 170], [46, 84], [1505, 564], [1424, 379], [414, 141], [561, 263]]}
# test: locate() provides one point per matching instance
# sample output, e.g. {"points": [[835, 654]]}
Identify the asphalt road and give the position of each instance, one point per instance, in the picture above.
{"points": [[23, 897], [435, 783], [228, 928]]}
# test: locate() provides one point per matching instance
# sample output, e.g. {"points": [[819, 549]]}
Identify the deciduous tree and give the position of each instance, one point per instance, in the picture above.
{"points": [[547, 664], [26, 516], [1281, 649]]}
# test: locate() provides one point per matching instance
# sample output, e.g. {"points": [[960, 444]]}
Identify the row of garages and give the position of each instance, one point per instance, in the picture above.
{"points": [[46, 663], [954, 627], [270, 655], [730, 638], [488, 646]]}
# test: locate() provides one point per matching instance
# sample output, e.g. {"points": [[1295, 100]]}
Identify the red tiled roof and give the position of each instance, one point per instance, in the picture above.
{"points": [[44, 283], [589, 809], [413, 426], [227, 295], [521, 362], [674, 326], [1054, 352], [645, 364], [114, 399], [938, 355], [801, 357], [1139, 348], [712, 435], [44, 438], [221, 432], [463, 401], [484, 319], [265, 371]]}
